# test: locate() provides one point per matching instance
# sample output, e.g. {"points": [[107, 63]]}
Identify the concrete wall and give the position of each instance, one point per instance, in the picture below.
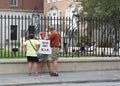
{"points": [[66, 64]]}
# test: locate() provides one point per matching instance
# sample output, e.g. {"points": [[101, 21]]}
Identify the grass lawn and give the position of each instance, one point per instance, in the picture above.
{"points": [[7, 54]]}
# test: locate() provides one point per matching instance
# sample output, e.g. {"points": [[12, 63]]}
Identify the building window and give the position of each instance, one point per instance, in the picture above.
{"points": [[54, 14], [48, 1], [49, 14], [14, 2], [53, 0], [60, 13]]}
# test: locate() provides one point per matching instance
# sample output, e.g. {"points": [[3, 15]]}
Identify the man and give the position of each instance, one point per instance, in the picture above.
{"points": [[44, 57], [54, 38]]}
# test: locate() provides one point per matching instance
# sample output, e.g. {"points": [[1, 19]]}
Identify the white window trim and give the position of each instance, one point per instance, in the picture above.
{"points": [[14, 4], [48, 1], [60, 13], [53, 0]]}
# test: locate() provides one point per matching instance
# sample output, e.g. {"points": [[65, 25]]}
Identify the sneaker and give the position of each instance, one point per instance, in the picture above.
{"points": [[54, 74], [36, 74]]}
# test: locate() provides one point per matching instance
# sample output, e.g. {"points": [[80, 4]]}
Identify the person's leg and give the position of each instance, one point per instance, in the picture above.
{"points": [[30, 67], [35, 67], [41, 66], [30, 63], [48, 65], [55, 66], [54, 58]]}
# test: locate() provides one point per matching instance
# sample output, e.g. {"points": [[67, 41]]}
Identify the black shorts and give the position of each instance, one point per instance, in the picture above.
{"points": [[32, 59]]}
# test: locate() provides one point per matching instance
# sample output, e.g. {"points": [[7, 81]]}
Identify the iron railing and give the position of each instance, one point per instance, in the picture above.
{"points": [[100, 36]]}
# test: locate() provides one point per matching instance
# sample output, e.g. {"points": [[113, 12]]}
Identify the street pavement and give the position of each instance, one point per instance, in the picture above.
{"points": [[64, 77], [82, 84]]}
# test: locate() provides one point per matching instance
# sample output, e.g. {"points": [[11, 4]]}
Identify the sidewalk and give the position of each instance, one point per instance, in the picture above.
{"points": [[64, 77]]}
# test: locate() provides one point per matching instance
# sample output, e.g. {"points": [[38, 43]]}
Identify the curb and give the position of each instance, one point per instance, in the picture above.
{"points": [[59, 82]]}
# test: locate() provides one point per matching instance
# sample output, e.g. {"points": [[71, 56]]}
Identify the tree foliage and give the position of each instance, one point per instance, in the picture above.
{"points": [[101, 8]]}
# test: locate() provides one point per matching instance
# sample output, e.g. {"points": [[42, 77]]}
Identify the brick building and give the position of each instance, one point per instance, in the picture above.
{"points": [[58, 8], [67, 9], [16, 18], [21, 4], [24, 7], [62, 8], [48, 7], [13, 29], [52, 8]]}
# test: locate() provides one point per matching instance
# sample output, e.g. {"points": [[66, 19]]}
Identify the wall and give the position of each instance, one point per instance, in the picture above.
{"points": [[23, 5], [61, 5], [65, 64]]}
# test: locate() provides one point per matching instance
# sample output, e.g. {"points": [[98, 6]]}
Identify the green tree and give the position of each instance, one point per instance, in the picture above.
{"points": [[107, 10], [101, 8]]}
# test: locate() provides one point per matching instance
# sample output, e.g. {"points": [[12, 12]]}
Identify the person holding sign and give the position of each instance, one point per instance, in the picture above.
{"points": [[43, 57], [54, 38]]}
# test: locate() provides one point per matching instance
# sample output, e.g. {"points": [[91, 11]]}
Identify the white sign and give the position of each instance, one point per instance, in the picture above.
{"points": [[44, 47]]}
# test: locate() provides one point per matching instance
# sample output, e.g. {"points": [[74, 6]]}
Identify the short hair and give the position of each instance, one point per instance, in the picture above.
{"points": [[31, 36]]}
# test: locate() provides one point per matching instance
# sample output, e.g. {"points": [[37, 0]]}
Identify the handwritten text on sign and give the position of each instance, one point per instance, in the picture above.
{"points": [[44, 47]]}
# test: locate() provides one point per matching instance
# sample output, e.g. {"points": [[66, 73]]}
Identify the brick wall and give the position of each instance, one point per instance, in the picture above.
{"points": [[61, 5], [22, 5]]}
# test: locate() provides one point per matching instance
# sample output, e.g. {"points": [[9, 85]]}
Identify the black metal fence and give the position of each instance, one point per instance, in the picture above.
{"points": [[79, 36]]}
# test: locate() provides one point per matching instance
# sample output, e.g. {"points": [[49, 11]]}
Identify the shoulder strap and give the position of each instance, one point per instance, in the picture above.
{"points": [[32, 45]]}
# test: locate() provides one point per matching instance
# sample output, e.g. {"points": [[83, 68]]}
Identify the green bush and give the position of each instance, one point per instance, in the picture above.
{"points": [[104, 43]]}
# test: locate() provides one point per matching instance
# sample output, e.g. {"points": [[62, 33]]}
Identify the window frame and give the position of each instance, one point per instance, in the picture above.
{"points": [[60, 13], [54, 0], [48, 1], [14, 3], [59, 0]]}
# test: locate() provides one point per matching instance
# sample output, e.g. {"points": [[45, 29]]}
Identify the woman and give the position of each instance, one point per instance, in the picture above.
{"points": [[31, 46]]}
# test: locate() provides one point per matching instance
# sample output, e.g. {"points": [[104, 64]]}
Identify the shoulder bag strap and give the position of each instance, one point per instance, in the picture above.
{"points": [[32, 45]]}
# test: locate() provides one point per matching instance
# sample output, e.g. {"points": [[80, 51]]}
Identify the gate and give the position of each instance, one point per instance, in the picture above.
{"points": [[79, 36]]}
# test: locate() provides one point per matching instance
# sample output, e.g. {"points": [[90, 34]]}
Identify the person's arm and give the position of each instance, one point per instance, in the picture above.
{"points": [[24, 47], [46, 34]]}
